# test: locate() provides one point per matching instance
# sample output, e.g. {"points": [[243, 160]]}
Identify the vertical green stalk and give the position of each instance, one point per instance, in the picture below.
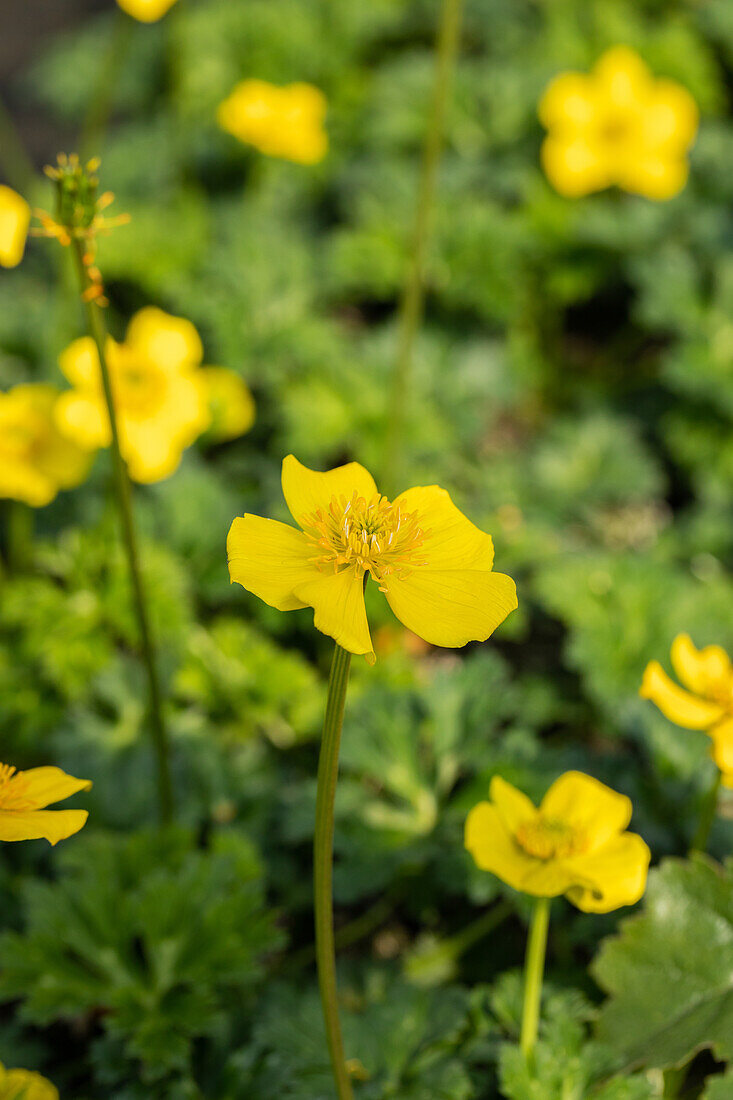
{"points": [[102, 99], [328, 764], [534, 970], [707, 817], [19, 536], [411, 303], [98, 333]]}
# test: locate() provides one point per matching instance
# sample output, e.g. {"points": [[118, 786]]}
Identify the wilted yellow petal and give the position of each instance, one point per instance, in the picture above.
{"points": [[307, 491], [337, 600], [589, 806], [615, 874], [451, 540], [15, 217], [269, 559], [675, 703], [451, 607]]}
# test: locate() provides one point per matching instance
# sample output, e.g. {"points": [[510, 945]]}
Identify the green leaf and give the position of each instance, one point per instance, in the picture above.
{"points": [[670, 971]]}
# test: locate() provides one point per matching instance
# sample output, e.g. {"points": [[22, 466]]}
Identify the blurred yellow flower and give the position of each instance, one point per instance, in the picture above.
{"points": [[23, 798], [146, 11], [432, 564], [707, 704], [575, 844], [280, 121], [231, 405], [36, 459], [160, 397], [617, 125], [23, 1084], [15, 217]]}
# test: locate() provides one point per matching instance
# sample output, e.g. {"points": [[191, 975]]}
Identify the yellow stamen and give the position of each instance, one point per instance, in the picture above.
{"points": [[13, 786], [548, 838]]}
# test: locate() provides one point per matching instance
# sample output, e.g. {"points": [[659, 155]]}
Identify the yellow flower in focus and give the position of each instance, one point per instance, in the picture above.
{"points": [[231, 405], [23, 800], [160, 398], [432, 564], [36, 459], [15, 217], [706, 700], [279, 121], [575, 844], [23, 1084], [617, 125], [146, 11]]}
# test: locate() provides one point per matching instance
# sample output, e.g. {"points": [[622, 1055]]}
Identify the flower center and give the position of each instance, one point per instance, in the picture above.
{"points": [[12, 789], [139, 389], [372, 535], [549, 838]]}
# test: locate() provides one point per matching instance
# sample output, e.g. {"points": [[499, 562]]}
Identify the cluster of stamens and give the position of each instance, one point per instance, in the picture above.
{"points": [[548, 838], [12, 789], [372, 536]]}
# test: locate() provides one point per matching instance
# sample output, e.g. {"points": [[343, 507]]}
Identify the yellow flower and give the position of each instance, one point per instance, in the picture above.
{"points": [[36, 459], [280, 121], [23, 1084], [707, 704], [146, 11], [160, 398], [24, 796], [231, 404], [15, 217], [432, 564], [617, 125], [575, 844]]}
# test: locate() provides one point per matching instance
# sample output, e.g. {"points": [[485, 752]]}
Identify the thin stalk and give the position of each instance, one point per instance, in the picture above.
{"points": [[707, 817], [412, 301], [534, 970], [98, 332], [16, 162], [323, 866], [19, 536], [102, 100]]}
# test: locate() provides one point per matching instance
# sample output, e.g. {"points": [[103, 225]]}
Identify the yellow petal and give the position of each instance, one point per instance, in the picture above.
{"points": [[451, 607], [622, 78], [269, 559], [700, 669], [15, 217], [575, 167], [513, 806], [22, 1084], [83, 417], [146, 11], [338, 602], [306, 491], [494, 849], [669, 119], [231, 404], [614, 875], [165, 341], [568, 104], [20, 481], [722, 748], [598, 812], [655, 177], [45, 785], [50, 825], [80, 362], [675, 703], [452, 541]]}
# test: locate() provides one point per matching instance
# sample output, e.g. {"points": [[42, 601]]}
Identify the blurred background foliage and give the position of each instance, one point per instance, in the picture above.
{"points": [[573, 389]]}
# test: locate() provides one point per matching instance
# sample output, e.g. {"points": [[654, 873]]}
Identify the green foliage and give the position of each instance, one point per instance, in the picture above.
{"points": [[669, 971]]}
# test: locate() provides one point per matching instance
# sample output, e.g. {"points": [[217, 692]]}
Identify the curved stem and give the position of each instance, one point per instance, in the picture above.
{"points": [[534, 969], [411, 304], [707, 817], [323, 866], [97, 330]]}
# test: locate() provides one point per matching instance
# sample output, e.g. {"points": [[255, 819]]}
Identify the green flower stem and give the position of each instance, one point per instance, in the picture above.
{"points": [[19, 535], [534, 969], [323, 865], [98, 332], [707, 817], [411, 304], [101, 101]]}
